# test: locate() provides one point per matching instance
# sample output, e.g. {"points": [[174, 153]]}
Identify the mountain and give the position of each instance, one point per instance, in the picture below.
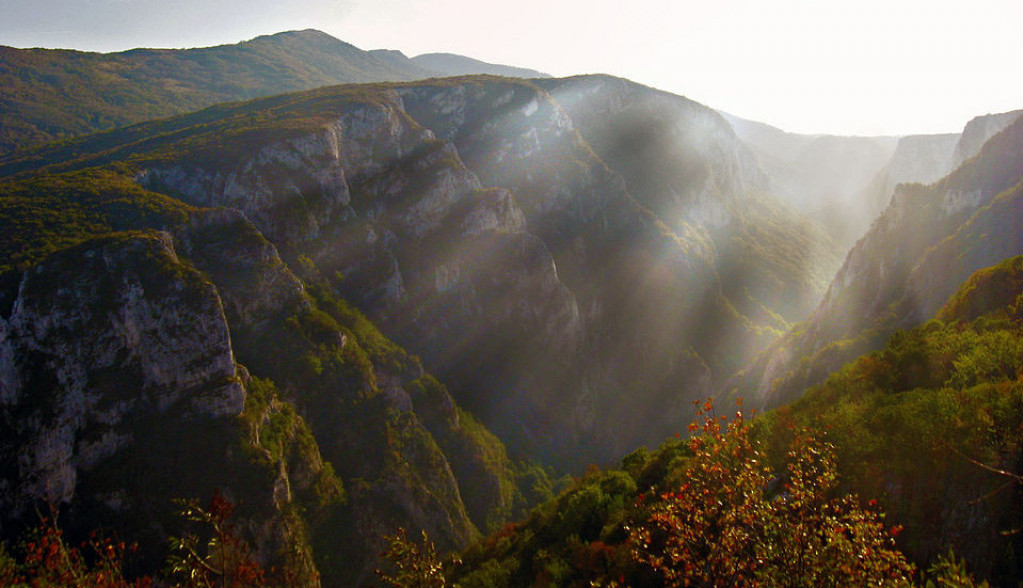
{"points": [[920, 159], [450, 64], [48, 94], [124, 390], [977, 133], [925, 159], [681, 161], [372, 268], [924, 430], [927, 241], [480, 224], [822, 176]]}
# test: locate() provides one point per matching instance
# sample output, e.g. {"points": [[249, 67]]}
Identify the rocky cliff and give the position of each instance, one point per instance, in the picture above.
{"points": [[927, 241], [574, 286], [978, 131], [921, 159], [541, 247], [120, 392], [823, 176]]}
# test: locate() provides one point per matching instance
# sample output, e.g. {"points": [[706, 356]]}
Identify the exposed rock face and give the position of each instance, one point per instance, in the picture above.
{"points": [[679, 158], [922, 159], [287, 207], [926, 242], [253, 281], [116, 310], [120, 393], [480, 223], [978, 131], [823, 176], [569, 295]]}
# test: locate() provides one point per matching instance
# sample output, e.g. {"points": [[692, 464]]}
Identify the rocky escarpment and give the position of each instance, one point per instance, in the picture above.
{"points": [[922, 159], [492, 235], [476, 224], [616, 259], [679, 158], [120, 392], [925, 159], [684, 162], [823, 176], [927, 241], [978, 131], [171, 333]]}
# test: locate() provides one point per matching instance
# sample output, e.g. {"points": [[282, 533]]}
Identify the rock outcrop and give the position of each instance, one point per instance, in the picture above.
{"points": [[926, 242], [120, 391]]}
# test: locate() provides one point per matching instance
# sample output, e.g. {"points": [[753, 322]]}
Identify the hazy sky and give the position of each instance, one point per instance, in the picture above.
{"points": [[838, 66]]}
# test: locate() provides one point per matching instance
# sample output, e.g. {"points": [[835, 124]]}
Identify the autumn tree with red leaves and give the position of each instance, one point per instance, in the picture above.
{"points": [[733, 523]]}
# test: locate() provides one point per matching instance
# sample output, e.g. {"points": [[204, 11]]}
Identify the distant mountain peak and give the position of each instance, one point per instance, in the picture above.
{"points": [[458, 65]]}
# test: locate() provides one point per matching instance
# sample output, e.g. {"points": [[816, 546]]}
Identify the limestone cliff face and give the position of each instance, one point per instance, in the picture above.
{"points": [[294, 188], [678, 158], [120, 389], [108, 308], [978, 131], [922, 159], [901, 272], [686, 164], [554, 386], [574, 285]]}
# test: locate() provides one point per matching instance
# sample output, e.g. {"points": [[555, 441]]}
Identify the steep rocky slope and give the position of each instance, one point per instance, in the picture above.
{"points": [[405, 451], [120, 392], [822, 176], [977, 133], [682, 161], [928, 239], [537, 271], [921, 159], [521, 246], [925, 159], [450, 64]]}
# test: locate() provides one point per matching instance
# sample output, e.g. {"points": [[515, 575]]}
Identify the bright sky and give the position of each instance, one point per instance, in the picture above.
{"points": [[829, 66]]}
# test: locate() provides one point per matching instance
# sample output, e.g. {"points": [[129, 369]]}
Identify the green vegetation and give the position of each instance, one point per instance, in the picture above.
{"points": [[928, 427], [925, 425], [708, 511], [56, 94], [41, 215]]}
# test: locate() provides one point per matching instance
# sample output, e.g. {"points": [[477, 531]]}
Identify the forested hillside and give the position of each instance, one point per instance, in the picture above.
{"points": [[48, 94], [925, 430]]}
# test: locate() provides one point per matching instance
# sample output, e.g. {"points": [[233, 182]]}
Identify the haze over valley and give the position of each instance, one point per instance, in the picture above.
{"points": [[304, 295]]}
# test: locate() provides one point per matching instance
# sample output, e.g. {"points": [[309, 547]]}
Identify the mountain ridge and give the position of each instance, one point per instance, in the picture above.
{"points": [[452, 64], [902, 269]]}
